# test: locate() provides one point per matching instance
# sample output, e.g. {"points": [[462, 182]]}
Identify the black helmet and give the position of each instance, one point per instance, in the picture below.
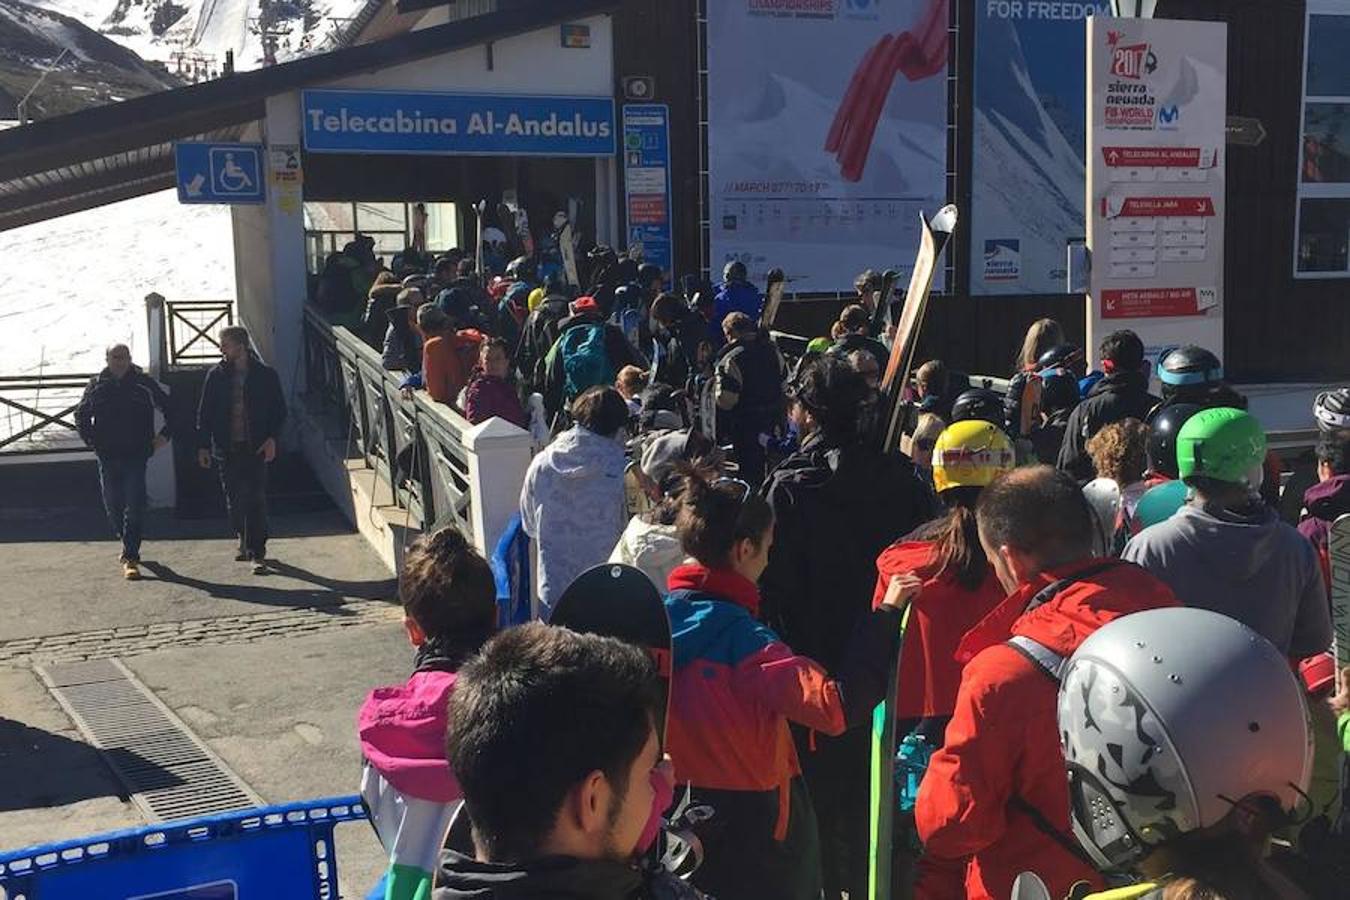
{"points": [[1331, 409], [734, 271], [1188, 366], [978, 403], [1059, 390], [1163, 427], [1061, 356], [649, 272], [520, 269]]}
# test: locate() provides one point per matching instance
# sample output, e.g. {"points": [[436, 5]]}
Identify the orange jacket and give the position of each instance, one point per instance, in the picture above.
{"points": [[938, 618], [1002, 747], [447, 363]]}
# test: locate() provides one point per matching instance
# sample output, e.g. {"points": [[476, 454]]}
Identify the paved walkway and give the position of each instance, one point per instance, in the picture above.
{"points": [[267, 670]]}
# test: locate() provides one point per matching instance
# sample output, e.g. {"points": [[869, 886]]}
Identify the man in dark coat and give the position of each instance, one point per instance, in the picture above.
{"points": [[116, 417], [677, 332], [837, 503], [1122, 394], [749, 391], [238, 425]]}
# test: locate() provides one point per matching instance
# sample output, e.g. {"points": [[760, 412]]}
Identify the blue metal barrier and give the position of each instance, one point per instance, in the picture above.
{"points": [[281, 852], [511, 569]]}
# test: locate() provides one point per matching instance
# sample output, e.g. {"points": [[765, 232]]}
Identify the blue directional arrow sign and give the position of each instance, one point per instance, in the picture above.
{"points": [[219, 173]]}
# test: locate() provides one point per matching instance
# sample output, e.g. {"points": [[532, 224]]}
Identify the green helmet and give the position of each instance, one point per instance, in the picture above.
{"points": [[819, 345], [1224, 444]]}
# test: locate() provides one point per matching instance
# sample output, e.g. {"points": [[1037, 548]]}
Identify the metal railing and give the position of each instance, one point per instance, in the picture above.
{"points": [[192, 329], [37, 413], [413, 444]]}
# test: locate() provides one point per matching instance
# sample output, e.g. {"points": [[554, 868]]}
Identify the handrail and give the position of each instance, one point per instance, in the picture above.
{"points": [[192, 330], [37, 413], [425, 452]]}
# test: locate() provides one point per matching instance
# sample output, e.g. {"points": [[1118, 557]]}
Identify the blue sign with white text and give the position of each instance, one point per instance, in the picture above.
{"points": [[219, 173], [470, 124], [646, 175]]}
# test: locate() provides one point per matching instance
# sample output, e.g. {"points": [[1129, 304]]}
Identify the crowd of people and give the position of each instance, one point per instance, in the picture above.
{"points": [[1114, 654], [1115, 660]]}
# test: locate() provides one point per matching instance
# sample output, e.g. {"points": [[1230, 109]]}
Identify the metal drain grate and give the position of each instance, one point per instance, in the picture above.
{"points": [[167, 771]]}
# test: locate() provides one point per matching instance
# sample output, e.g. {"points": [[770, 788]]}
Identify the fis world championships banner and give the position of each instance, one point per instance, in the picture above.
{"points": [[827, 134]]}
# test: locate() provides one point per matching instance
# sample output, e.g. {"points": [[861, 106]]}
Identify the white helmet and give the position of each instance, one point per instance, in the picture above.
{"points": [[1331, 409], [1170, 717]]}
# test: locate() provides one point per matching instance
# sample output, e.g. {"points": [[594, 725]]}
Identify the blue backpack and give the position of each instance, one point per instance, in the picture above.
{"points": [[585, 360]]}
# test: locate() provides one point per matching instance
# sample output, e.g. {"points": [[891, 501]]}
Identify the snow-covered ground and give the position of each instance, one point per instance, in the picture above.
{"points": [[73, 285]]}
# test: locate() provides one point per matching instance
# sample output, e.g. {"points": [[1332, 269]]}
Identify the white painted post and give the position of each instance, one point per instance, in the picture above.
{"points": [[156, 363], [499, 454], [161, 489]]}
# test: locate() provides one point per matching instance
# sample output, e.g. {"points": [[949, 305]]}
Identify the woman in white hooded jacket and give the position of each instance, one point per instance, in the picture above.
{"points": [[572, 503]]}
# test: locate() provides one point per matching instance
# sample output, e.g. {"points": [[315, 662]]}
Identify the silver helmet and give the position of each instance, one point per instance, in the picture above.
{"points": [[1170, 717]]}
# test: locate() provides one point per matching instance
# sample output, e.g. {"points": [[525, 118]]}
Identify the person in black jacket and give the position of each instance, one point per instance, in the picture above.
{"points": [[749, 391], [1121, 394], [837, 503], [537, 338], [854, 323], [116, 417], [677, 332], [238, 423]]}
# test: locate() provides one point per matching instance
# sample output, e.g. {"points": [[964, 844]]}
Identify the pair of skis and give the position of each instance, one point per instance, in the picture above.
{"points": [[933, 239]]}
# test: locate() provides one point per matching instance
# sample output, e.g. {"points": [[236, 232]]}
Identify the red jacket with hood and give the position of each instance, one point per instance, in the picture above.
{"points": [[1002, 747], [938, 618]]}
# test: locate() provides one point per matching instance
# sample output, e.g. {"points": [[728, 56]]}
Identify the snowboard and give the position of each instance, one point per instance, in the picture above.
{"points": [[619, 601], [773, 298], [567, 248], [1338, 550], [481, 208], [933, 239], [883, 303], [1030, 406], [881, 809]]}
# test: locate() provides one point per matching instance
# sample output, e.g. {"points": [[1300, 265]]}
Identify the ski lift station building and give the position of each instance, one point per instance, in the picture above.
{"points": [[452, 102]]}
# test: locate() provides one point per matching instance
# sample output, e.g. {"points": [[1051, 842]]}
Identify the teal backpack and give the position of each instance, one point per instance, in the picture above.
{"points": [[584, 359]]}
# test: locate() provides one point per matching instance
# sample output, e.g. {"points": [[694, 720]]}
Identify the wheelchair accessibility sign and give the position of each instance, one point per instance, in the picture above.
{"points": [[219, 173]]}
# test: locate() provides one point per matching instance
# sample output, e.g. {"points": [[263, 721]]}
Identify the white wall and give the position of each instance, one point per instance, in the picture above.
{"points": [[532, 63]]}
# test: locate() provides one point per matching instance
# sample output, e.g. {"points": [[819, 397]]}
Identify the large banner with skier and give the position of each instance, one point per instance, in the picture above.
{"points": [[1027, 160], [826, 134]]}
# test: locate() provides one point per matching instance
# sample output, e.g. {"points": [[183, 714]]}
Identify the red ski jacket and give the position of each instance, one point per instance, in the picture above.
{"points": [[1002, 757], [938, 618]]}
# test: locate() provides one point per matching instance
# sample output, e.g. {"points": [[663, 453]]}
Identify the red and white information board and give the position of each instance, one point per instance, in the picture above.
{"points": [[1157, 95]]}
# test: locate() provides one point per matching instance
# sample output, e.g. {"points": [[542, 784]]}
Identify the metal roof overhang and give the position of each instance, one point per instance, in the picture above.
{"points": [[109, 153]]}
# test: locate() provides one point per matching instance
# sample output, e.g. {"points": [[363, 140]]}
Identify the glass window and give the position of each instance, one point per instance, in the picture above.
{"points": [[1328, 63], [372, 217], [1326, 143], [1324, 235], [1322, 226]]}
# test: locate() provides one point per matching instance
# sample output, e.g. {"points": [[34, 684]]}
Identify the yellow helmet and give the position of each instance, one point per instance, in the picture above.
{"points": [[971, 454]]}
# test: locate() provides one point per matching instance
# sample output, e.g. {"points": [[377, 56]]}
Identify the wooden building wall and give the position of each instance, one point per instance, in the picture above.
{"points": [[1277, 328]]}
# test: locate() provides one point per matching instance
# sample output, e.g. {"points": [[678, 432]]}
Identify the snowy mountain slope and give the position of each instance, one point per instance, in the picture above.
{"points": [[183, 32], [93, 69]]}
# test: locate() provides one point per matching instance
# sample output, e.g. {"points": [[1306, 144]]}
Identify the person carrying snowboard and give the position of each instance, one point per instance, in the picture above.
{"points": [[959, 589], [995, 791], [588, 352], [838, 501], [449, 602], [735, 687]]}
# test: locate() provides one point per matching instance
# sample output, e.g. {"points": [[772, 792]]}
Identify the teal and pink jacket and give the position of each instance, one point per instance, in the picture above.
{"points": [[736, 685]]}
